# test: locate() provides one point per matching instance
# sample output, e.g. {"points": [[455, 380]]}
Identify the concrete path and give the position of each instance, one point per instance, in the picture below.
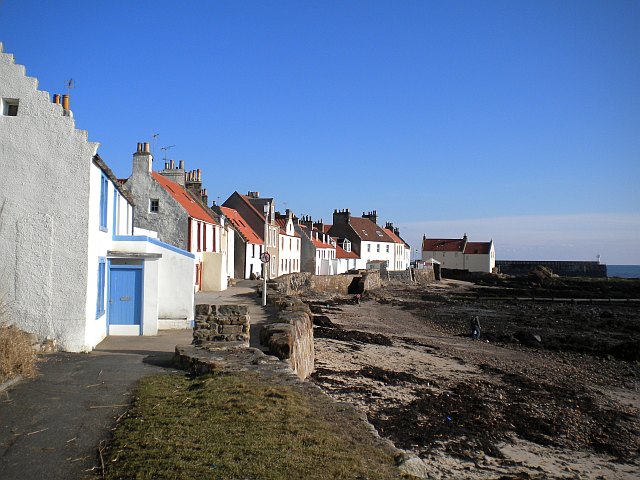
{"points": [[51, 426]]}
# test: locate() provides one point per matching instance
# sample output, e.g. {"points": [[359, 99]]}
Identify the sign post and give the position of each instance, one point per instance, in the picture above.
{"points": [[264, 258]]}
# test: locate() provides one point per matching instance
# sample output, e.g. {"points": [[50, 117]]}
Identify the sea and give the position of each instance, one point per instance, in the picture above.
{"points": [[623, 271]]}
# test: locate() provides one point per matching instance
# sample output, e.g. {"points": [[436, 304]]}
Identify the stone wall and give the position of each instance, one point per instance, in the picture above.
{"points": [[296, 283], [221, 323], [290, 336], [561, 268], [424, 275]]}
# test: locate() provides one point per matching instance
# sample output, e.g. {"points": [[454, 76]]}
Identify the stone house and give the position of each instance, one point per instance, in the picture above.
{"points": [[171, 203], [368, 240], [259, 214], [460, 253], [71, 269]]}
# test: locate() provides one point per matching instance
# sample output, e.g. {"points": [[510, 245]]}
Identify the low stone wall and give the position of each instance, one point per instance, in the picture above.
{"points": [[296, 283], [424, 275], [560, 268], [221, 323], [290, 337]]}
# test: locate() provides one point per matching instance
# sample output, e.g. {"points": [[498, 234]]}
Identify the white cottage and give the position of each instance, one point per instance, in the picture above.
{"points": [[460, 253], [70, 268]]}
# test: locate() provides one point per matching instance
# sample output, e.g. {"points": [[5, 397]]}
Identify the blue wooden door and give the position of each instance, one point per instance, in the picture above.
{"points": [[125, 294]]}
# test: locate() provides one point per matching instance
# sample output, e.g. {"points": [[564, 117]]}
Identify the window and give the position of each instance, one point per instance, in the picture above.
{"points": [[101, 285], [378, 248], [154, 205], [199, 237], [10, 107], [104, 194], [204, 241], [387, 248], [368, 247], [290, 241]]}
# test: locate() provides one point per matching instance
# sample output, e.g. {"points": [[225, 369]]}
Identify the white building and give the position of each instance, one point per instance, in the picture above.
{"points": [[288, 245], [70, 268], [368, 240], [401, 249], [247, 248], [460, 254]]}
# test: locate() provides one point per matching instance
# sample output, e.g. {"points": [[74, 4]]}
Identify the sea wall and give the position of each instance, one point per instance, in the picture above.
{"points": [[290, 336], [424, 275], [560, 268], [297, 283]]}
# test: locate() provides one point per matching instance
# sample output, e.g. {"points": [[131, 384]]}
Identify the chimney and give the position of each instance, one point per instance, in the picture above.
{"points": [[205, 197], [56, 99], [341, 216], [142, 160], [307, 222], [65, 102], [396, 231], [193, 183], [372, 215], [253, 194], [319, 225]]}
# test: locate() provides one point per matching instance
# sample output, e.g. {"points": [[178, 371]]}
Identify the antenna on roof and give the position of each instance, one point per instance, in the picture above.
{"points": [[69, 84], [165, 151], [154, 138]]}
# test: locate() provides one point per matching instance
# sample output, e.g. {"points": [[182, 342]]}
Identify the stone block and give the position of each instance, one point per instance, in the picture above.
{"points": [[203, 309], [231, 310], [231, 329]]}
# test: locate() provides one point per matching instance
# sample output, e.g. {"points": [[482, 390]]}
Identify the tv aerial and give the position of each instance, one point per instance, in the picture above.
{"points": [[165, 150]]}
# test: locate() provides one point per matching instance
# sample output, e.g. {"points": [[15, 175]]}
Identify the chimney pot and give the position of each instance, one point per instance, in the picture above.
{"points": [[139, 147], [65, 102], [199, 175], [146, 147], [56, 99], [181, 165]]}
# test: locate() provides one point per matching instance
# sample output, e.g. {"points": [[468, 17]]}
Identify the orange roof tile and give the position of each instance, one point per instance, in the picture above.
{"points": [[184, 198], [238, 222], [342, 253]]}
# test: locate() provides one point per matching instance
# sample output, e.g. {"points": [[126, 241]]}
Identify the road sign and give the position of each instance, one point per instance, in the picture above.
{"points": [[265, 257]]}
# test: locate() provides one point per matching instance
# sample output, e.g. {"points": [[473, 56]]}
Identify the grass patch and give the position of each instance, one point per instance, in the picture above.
{"points": [[16, 355], [239, 426]]}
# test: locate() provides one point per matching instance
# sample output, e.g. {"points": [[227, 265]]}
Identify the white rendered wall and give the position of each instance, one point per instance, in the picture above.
{"points": [[253, 258], [289, 254], [366, 256], [44, 213], [452, 260], [175, 299]]}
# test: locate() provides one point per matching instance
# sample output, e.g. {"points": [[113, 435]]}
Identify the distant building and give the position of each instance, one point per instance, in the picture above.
{"points": [[368, 240], [288, 244], [401, 249], [252, 208], [318, 252], [248, 245], [460, 253]]}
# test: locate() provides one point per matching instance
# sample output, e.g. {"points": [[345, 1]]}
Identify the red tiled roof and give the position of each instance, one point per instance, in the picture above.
{"points": [[238, 222], [282, 223], [342, 253], [192, 207], [326, 228], [442, 244], [369, 231], [320, 244], [393, 236], [455, 245], [478, 247]]}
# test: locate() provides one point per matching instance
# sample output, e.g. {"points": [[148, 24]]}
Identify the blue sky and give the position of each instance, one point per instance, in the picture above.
{"points": [[515, 121]]}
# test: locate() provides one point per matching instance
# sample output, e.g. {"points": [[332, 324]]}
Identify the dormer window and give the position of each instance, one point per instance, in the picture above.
{"points": [[9, 107]]}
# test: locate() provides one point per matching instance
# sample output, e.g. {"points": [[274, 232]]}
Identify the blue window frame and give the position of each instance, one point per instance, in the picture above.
{"points": [[101, 286], [104, 198]]}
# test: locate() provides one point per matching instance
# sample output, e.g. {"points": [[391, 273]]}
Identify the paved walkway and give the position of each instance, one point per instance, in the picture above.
{"points": [[50, 427]]}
